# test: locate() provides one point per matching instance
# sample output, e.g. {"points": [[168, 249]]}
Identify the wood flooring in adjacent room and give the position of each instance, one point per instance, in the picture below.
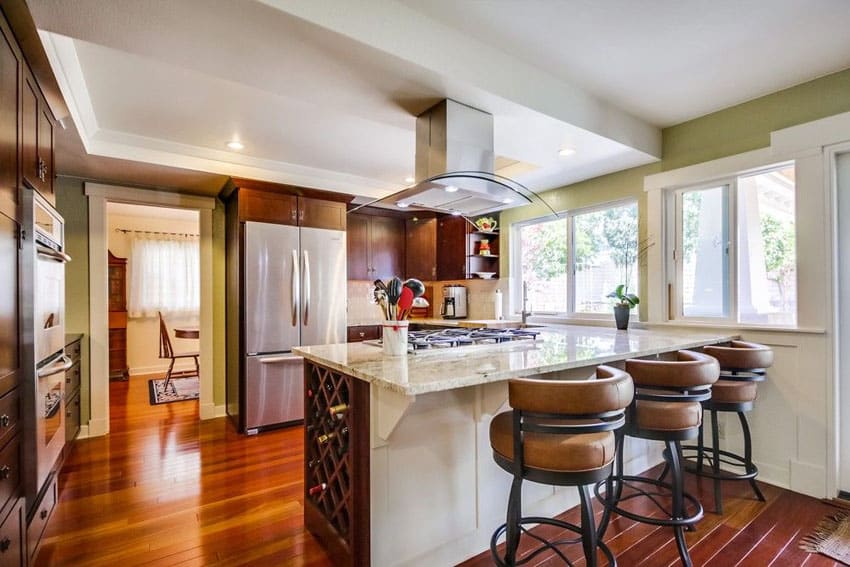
{"points": [[164, 489]]}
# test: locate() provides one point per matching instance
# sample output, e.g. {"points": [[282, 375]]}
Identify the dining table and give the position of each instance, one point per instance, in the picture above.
{"points": [[187, 332]]}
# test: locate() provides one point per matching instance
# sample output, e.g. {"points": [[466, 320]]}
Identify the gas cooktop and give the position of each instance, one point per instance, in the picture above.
{"points": [[448, 338]]}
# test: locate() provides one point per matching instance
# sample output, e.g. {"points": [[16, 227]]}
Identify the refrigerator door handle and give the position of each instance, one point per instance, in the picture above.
{"points": [[306, 288], [275, 359], [294, 287]]}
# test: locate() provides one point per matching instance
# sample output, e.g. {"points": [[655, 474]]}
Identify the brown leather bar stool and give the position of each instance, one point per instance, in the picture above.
{"points": [[559, 433], [742, 367], [666, 408]]}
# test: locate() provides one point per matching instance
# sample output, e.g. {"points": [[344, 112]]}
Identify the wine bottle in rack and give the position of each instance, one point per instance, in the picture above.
{"points": [[343, 449], [318, 489], [314, 463], [338, 411], [324, 438]]}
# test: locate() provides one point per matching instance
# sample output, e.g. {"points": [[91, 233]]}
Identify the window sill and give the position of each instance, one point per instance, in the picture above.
{"points": [[737, 327]]}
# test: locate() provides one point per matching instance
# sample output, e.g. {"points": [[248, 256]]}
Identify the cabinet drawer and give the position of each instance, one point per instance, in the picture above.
{"points": [[12, 532], [364, 333], [42, 512], [72, 379], [72, 418], [72, 351], [9, 415], [10, 470]]}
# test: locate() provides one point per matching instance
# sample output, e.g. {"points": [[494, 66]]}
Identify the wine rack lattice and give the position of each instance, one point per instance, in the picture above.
{"points": [[327, 450]]}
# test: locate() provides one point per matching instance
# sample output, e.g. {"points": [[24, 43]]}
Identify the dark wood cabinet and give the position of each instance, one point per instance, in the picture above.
{"points": [[73, 379], [375, 246], [12, 536], [10, 358], [421, 248], [36, 140], [118, 318], [452, 248], [9, 88], [283, 204], [357, 333]]}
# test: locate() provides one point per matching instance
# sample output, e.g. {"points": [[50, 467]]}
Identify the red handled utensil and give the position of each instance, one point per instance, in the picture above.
{"points": [[405, 302]]}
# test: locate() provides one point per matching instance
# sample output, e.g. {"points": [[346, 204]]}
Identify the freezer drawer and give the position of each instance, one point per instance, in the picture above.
{"points": [[274, 390]]}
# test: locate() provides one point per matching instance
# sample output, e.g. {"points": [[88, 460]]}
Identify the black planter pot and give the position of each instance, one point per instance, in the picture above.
{"points": [[621, 315]]}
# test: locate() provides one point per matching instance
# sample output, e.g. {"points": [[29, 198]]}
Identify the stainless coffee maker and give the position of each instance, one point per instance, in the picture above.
{"points": [[454, 302]]}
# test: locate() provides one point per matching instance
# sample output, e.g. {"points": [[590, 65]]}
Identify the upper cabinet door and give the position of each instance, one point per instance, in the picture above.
{"points": [[421, 249], [357, 239], [9, 83], [45, 152], [37, 141], [452, 248], [29, 135], [387, 247], [318, 213], [262, 206]]}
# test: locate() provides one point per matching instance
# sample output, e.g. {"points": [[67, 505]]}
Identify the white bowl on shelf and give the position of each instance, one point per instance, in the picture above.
{"points": [[484, 275]]}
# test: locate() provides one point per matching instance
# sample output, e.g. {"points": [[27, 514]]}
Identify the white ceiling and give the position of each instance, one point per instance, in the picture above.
{"points": [[325, 93], [147, 212]]}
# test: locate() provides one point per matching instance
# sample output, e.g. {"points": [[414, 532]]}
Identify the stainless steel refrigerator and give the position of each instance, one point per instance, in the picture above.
{"points": [[294, 294]]}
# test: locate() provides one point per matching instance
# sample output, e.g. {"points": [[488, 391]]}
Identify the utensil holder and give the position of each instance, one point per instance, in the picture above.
{"points": [[395, 337]]}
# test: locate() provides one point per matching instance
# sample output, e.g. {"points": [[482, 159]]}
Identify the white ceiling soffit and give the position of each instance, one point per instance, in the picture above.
{"points": [[329, 102]]}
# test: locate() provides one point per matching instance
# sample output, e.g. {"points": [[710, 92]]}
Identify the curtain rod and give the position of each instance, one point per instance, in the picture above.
{"points": [[126, 230]]}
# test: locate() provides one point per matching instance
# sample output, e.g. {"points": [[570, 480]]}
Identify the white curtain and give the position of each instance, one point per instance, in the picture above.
{"points": [[164, 275]]}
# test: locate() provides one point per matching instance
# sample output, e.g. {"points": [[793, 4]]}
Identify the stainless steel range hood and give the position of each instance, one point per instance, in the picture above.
{"points": [[454, 165]]}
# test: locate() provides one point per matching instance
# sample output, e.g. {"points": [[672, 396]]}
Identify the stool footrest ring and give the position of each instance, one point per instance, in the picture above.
{"points": [[631, 481], [690, 454], [550, 545]]}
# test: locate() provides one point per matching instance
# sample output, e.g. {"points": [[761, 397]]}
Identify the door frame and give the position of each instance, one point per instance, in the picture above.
{"points": [[98, 196]]}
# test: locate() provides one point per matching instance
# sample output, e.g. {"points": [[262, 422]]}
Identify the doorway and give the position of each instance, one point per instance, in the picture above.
{"points": [[99, 198], [154, 299]]}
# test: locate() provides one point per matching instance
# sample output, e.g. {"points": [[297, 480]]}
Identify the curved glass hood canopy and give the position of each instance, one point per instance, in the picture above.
{"points": [[454, 166]]}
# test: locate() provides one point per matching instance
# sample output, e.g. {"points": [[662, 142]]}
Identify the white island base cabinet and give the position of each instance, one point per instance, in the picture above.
{"points": [[437, 496], [398, 464]]}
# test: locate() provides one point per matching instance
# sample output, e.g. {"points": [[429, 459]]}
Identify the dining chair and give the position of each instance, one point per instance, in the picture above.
{"points": [[167, 351]]}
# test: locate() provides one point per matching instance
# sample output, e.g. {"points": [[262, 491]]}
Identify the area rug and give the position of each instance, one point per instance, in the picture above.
{"points": [[831, 538], [179, 390]]}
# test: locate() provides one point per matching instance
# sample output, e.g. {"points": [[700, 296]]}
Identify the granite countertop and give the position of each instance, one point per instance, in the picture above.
{"points": [[560, 347], [438, 321]]}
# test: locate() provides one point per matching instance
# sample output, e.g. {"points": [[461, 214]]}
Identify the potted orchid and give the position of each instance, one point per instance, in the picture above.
{"points": [[624, 302]]}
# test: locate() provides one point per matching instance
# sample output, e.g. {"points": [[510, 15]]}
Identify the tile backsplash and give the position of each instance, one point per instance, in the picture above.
{"points": [[481, 295]]}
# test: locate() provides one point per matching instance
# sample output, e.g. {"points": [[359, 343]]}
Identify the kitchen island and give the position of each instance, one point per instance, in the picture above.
{"points": [[398, 466]]}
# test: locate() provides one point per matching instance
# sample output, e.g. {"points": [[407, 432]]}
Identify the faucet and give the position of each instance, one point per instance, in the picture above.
{"points": [[526, 312]]}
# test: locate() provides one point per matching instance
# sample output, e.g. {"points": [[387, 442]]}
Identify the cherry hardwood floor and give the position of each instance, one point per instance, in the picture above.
{"points": [[165, 489], [749, 533]]}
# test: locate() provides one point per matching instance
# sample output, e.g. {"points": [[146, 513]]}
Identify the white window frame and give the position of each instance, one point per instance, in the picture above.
{"points": [[673, 228], [569, 216]]}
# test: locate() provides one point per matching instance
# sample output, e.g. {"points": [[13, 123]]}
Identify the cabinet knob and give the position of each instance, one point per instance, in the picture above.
{"points": [[5, 544], [5, 472], [5, 420], [362, 334], [42, 514]]}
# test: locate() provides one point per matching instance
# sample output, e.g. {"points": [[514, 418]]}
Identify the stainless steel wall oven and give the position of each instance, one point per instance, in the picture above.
{"points": [[44, 260]]}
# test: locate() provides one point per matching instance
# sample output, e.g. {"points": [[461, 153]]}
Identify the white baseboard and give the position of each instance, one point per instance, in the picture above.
{"points": [[83, 433], [97, 427]]}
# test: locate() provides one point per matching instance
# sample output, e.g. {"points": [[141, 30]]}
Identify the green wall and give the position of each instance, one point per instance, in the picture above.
{"points": [[727, 132], [73, 205]]}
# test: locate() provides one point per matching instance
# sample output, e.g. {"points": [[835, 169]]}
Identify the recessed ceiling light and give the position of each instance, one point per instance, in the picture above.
{"points": [[235, 145], [402, 205], [450, 188], [507, 200], [566, 152], [409, 179], [456, 213]]}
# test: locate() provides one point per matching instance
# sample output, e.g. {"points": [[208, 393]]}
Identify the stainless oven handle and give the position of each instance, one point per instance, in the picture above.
{"points": [[60, 365], [52, 254]]}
